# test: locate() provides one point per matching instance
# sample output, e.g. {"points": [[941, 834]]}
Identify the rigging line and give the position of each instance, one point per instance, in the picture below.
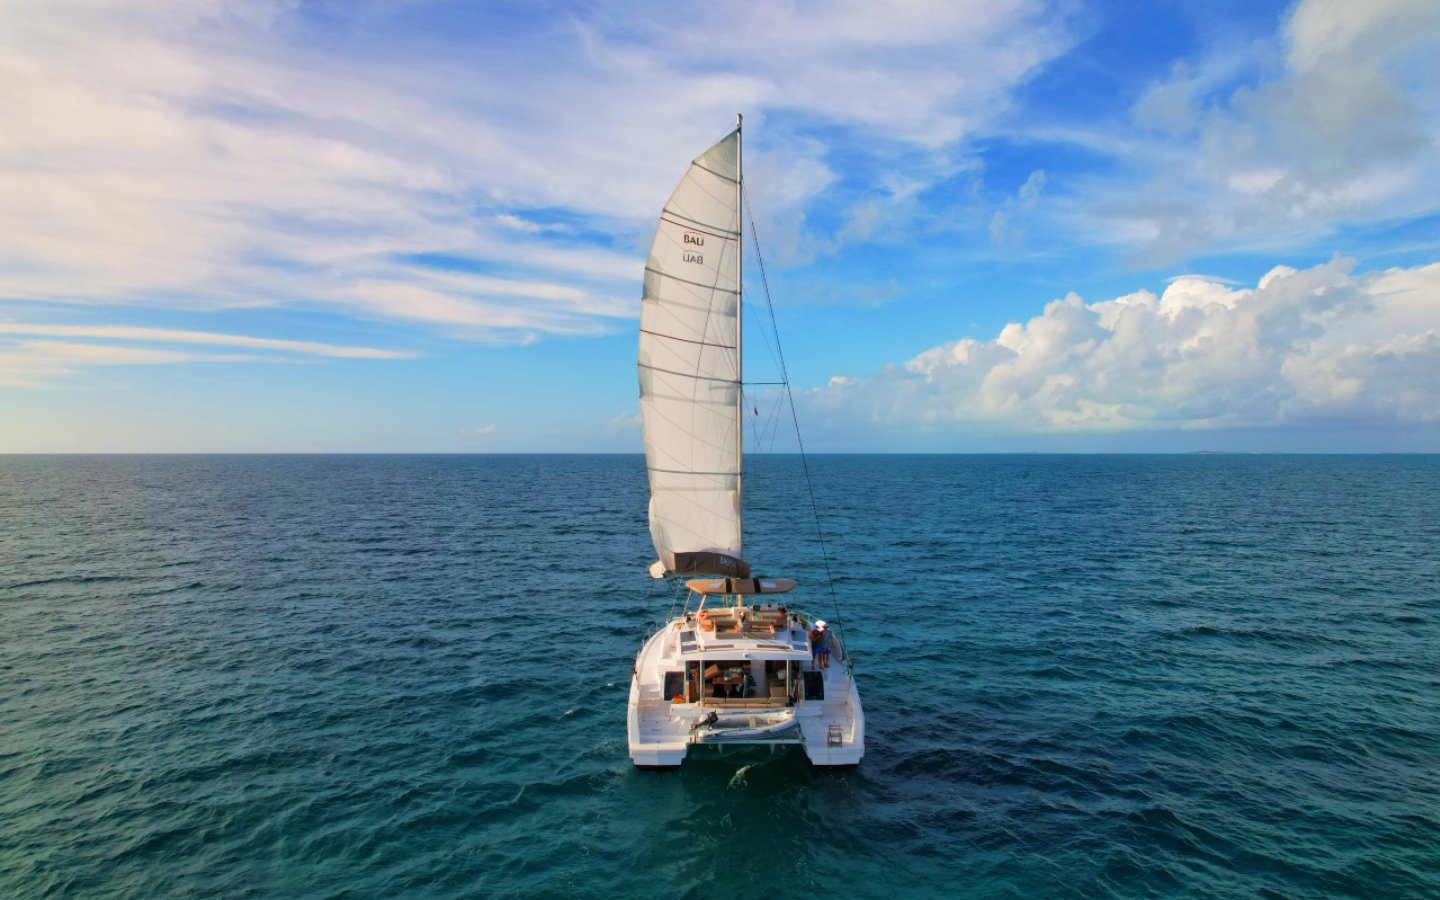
{"points": [[795, 417], [765, 336], [674, 597], [762, 429], [765, 426], [769, 428], [645, 629], [758, 439], [772, 421], [756, 429], [774, 418], [769, 348]]}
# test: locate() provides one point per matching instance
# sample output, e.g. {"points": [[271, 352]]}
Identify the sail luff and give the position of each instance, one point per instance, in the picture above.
{"points": [[739, 333]]}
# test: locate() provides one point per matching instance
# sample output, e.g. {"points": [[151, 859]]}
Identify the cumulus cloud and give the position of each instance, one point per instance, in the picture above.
{"points": [[1319, 345]]}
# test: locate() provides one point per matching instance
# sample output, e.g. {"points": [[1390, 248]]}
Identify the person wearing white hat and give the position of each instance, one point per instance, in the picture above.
{"points": [[820, 646]]}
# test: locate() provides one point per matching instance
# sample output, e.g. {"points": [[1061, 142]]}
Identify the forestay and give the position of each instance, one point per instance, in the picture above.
{"points": [[689, 365]]}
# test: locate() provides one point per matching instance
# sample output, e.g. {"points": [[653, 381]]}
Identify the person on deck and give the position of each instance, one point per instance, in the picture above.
{"points": [[820, 646]]}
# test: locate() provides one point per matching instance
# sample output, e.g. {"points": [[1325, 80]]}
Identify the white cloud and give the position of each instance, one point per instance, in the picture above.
{"points": [[624, 423], [1318, 29], [525, 226], [33, 364], [1029, 193], [41, 363], [1000, 227], [199, 154], [1343, 130], [179, 336], [1007, 222], [915, 71], [1318, 345], [1216, 279]]}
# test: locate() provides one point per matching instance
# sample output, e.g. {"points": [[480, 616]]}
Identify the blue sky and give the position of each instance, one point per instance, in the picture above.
{"points": [[420, 226]]}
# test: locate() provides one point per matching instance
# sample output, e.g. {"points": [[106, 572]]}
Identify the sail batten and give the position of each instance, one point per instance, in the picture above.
{"points": [[689, 369], [671, 337], [720, 230], [688, 375]]}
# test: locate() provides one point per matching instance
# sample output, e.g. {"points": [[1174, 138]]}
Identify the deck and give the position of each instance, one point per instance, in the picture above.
{"points": [[741, 659]]}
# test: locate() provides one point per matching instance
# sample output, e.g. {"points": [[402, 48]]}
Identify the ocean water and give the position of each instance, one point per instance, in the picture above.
{"points": [[396, 676]]}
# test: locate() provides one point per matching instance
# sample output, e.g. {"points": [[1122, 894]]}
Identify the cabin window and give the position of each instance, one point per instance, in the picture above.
{"points": [[742, 682], [674, 685], [726, 679]]}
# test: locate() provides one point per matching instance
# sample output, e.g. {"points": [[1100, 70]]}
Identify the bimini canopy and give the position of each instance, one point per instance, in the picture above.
{"points": [[741, 585]]}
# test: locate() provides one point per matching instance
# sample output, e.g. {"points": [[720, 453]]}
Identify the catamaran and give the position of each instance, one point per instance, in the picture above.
{"points": [[737, 666]]}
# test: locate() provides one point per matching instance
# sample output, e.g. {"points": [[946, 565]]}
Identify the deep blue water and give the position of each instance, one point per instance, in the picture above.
{"points": [[385, 676]]}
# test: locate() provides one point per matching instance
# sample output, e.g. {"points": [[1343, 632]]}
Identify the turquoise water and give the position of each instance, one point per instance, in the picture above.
{"points": [[388, 676]]}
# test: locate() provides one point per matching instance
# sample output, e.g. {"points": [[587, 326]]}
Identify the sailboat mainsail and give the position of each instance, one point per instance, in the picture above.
{"points": [[689, 364]]}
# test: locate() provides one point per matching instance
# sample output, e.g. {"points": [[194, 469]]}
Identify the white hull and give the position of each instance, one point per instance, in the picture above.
{"points": [[661, 731]]}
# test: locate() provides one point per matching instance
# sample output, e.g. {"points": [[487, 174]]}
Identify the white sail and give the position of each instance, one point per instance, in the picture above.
{"points": [[689, 365]]}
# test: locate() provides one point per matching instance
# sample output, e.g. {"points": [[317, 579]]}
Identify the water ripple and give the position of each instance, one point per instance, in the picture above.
{"points": [[385, 676]]}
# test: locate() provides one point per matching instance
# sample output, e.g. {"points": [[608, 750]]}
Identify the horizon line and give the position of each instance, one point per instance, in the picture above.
{"points": [[13, 453]]}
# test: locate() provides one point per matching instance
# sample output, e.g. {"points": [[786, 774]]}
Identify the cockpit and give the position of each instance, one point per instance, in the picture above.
{"points": [[740, 682]]}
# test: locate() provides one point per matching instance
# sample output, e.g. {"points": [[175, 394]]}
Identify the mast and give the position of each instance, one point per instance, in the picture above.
{"points": [[739, 318]]}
